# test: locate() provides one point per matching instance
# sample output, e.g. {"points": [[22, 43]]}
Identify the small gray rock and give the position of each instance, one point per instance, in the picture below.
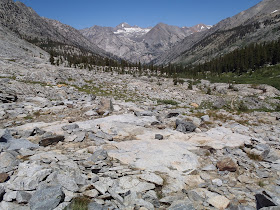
{"points": [[7, 161], [23, 197], [80, 136], [210, 167], [220, 102], [10, 196], [5, 135], [217, 182], [181, 128], [98, 155], [2, 192], [240, 207], [271, 208], [181, 205], [172, 114], [94, 178], [33, 132], [70, 127], [98, 141], [194, 196], [143, 114], [10, 206], [103, 135], [91, 113], [159, 136], [264, 148], [205, 118]]}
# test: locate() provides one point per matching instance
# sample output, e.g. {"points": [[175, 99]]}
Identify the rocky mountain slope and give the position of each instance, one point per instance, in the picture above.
{"points": [[107, 141], [13, 48], [25, 22], [138, 44], [259, 23]]}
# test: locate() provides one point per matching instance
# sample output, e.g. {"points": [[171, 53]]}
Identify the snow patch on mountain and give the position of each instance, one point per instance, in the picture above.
{"points": [[132, 31]]}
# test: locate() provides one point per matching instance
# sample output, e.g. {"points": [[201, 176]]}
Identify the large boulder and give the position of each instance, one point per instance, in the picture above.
{"points": [[185, 127], [46, 198], [17, 144], [7, 162], [9, 143], [28, 177], [105, 105], [227, 164]]}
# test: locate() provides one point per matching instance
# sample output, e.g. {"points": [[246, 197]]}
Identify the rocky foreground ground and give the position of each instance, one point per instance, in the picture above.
{"points": [[113, 141]]}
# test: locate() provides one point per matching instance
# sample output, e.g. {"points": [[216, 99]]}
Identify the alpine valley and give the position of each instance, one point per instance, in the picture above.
{"points": [[131, 118]]}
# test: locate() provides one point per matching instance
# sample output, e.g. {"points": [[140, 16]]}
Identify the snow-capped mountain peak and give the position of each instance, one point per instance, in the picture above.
{"points": [[126, 30], [200, 27]]}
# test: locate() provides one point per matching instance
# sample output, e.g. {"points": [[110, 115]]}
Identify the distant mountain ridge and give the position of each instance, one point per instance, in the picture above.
{"points": [[160, 45], [258, 23], [136, 44]]}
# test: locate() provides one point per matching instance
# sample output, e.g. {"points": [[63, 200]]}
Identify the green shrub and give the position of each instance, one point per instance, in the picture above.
{"points": [[242, 107], [79, 203], [171, 102]]}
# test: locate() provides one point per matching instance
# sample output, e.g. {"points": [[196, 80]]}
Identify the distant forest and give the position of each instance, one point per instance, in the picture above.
{"points": [[240, 61], [249, 58]]}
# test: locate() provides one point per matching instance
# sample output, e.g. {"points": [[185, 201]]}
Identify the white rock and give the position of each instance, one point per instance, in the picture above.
{"points": [[219, 202], [134, 184], [193, 180], [217, 182], [151, 177], [103, 184], [10, 196], [151, 155], [91, 193], [91, 113], [9, 205]]}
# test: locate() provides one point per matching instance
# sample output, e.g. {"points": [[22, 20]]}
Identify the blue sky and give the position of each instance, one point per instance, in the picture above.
{"points": [[86, 13]]}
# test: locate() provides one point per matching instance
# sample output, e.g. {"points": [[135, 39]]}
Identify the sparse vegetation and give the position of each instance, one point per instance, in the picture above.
{"points": [[207, 153], [28, 117], [261, 183], [242, 107], [37, 113], [79, 203], [253, 156], [170, 102], [70, 79]]}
